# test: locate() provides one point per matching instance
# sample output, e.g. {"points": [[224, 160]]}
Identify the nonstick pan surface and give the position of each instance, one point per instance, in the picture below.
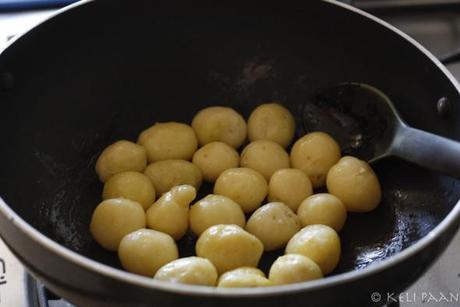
{"points": [[79, 82]]}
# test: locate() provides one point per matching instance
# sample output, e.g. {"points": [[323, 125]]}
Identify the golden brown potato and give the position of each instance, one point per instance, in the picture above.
{"points": [[245, 277], [245, 186], [272, 122], [214, 210], [169, 173], [289, 186], [273, 224], [293, 268], [229, 247], [189, 270], [266, 157], [354, 182], [131, 185], [246, 270], [144, 251], [120, 157], [320, 243], [323, 208], [214, 158], [220, 124], [315, 153], [115, 218], [169, 141], [170, 213]]}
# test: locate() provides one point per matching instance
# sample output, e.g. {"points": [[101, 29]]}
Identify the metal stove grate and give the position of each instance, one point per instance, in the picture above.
{"points": [[39, 296]]}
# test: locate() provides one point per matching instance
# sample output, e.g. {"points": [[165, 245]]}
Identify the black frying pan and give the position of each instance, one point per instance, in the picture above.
{"points": [[105, 70]]}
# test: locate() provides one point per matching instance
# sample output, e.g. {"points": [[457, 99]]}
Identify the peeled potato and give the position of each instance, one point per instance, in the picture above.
{"points": [[189, 270], [320, 243], [131, 185], [273, 224], [169, 141], [323, 208], [115, 218], [354, 182], [244, 277], [245, 270], [266, 157], [272, 122], [214, 210], [145, 251], [289, 186], [120, 157], [229, 247], [214, 158], [293, 268], [315, 153], [170, 213], [245, 186], [169, 173], [220, 124]]}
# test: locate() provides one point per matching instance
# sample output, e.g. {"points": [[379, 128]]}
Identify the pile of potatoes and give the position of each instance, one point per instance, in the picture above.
{"points": [[149, 188]]}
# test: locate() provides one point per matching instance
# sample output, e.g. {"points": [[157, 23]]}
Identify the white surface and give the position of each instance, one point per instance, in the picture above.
{"points": [[12, 293], [13, 23]]}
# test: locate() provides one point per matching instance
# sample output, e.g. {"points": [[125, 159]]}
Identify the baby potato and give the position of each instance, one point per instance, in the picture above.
{"points": [[145, 251], [220, 124], [214, 210], [273, 224], [245, 186], [189, 270], [169, 141], [266, 157], [355, 183], [115, 218], [245, 270], [289, 186], [323, 208], [315, 153], [169, 214], [169, 173], [272, 122], [244, 277], [229, 247], [293, 268], [214, 158], [131, 185], [120, 157], [320, 243]]}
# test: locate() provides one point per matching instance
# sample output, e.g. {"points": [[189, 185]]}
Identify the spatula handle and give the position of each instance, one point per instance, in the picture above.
{"points": [[428, 150]]}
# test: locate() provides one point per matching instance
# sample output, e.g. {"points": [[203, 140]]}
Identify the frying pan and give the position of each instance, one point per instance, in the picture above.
{"points": [[101, 71]]}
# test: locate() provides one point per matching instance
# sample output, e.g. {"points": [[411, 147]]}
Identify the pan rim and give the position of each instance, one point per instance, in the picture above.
{"points": [[110, 272]]}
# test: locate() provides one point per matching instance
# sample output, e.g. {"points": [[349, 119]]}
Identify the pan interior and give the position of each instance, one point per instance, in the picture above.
{"points": [[79, 86]]}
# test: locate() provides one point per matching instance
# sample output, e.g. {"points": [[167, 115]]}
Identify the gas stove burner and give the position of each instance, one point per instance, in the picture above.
{"points": [[40, 296]]}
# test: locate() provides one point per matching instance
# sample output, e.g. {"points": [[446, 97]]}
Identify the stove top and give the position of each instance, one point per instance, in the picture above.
{"points": [[434, 23], [19, 289]]}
